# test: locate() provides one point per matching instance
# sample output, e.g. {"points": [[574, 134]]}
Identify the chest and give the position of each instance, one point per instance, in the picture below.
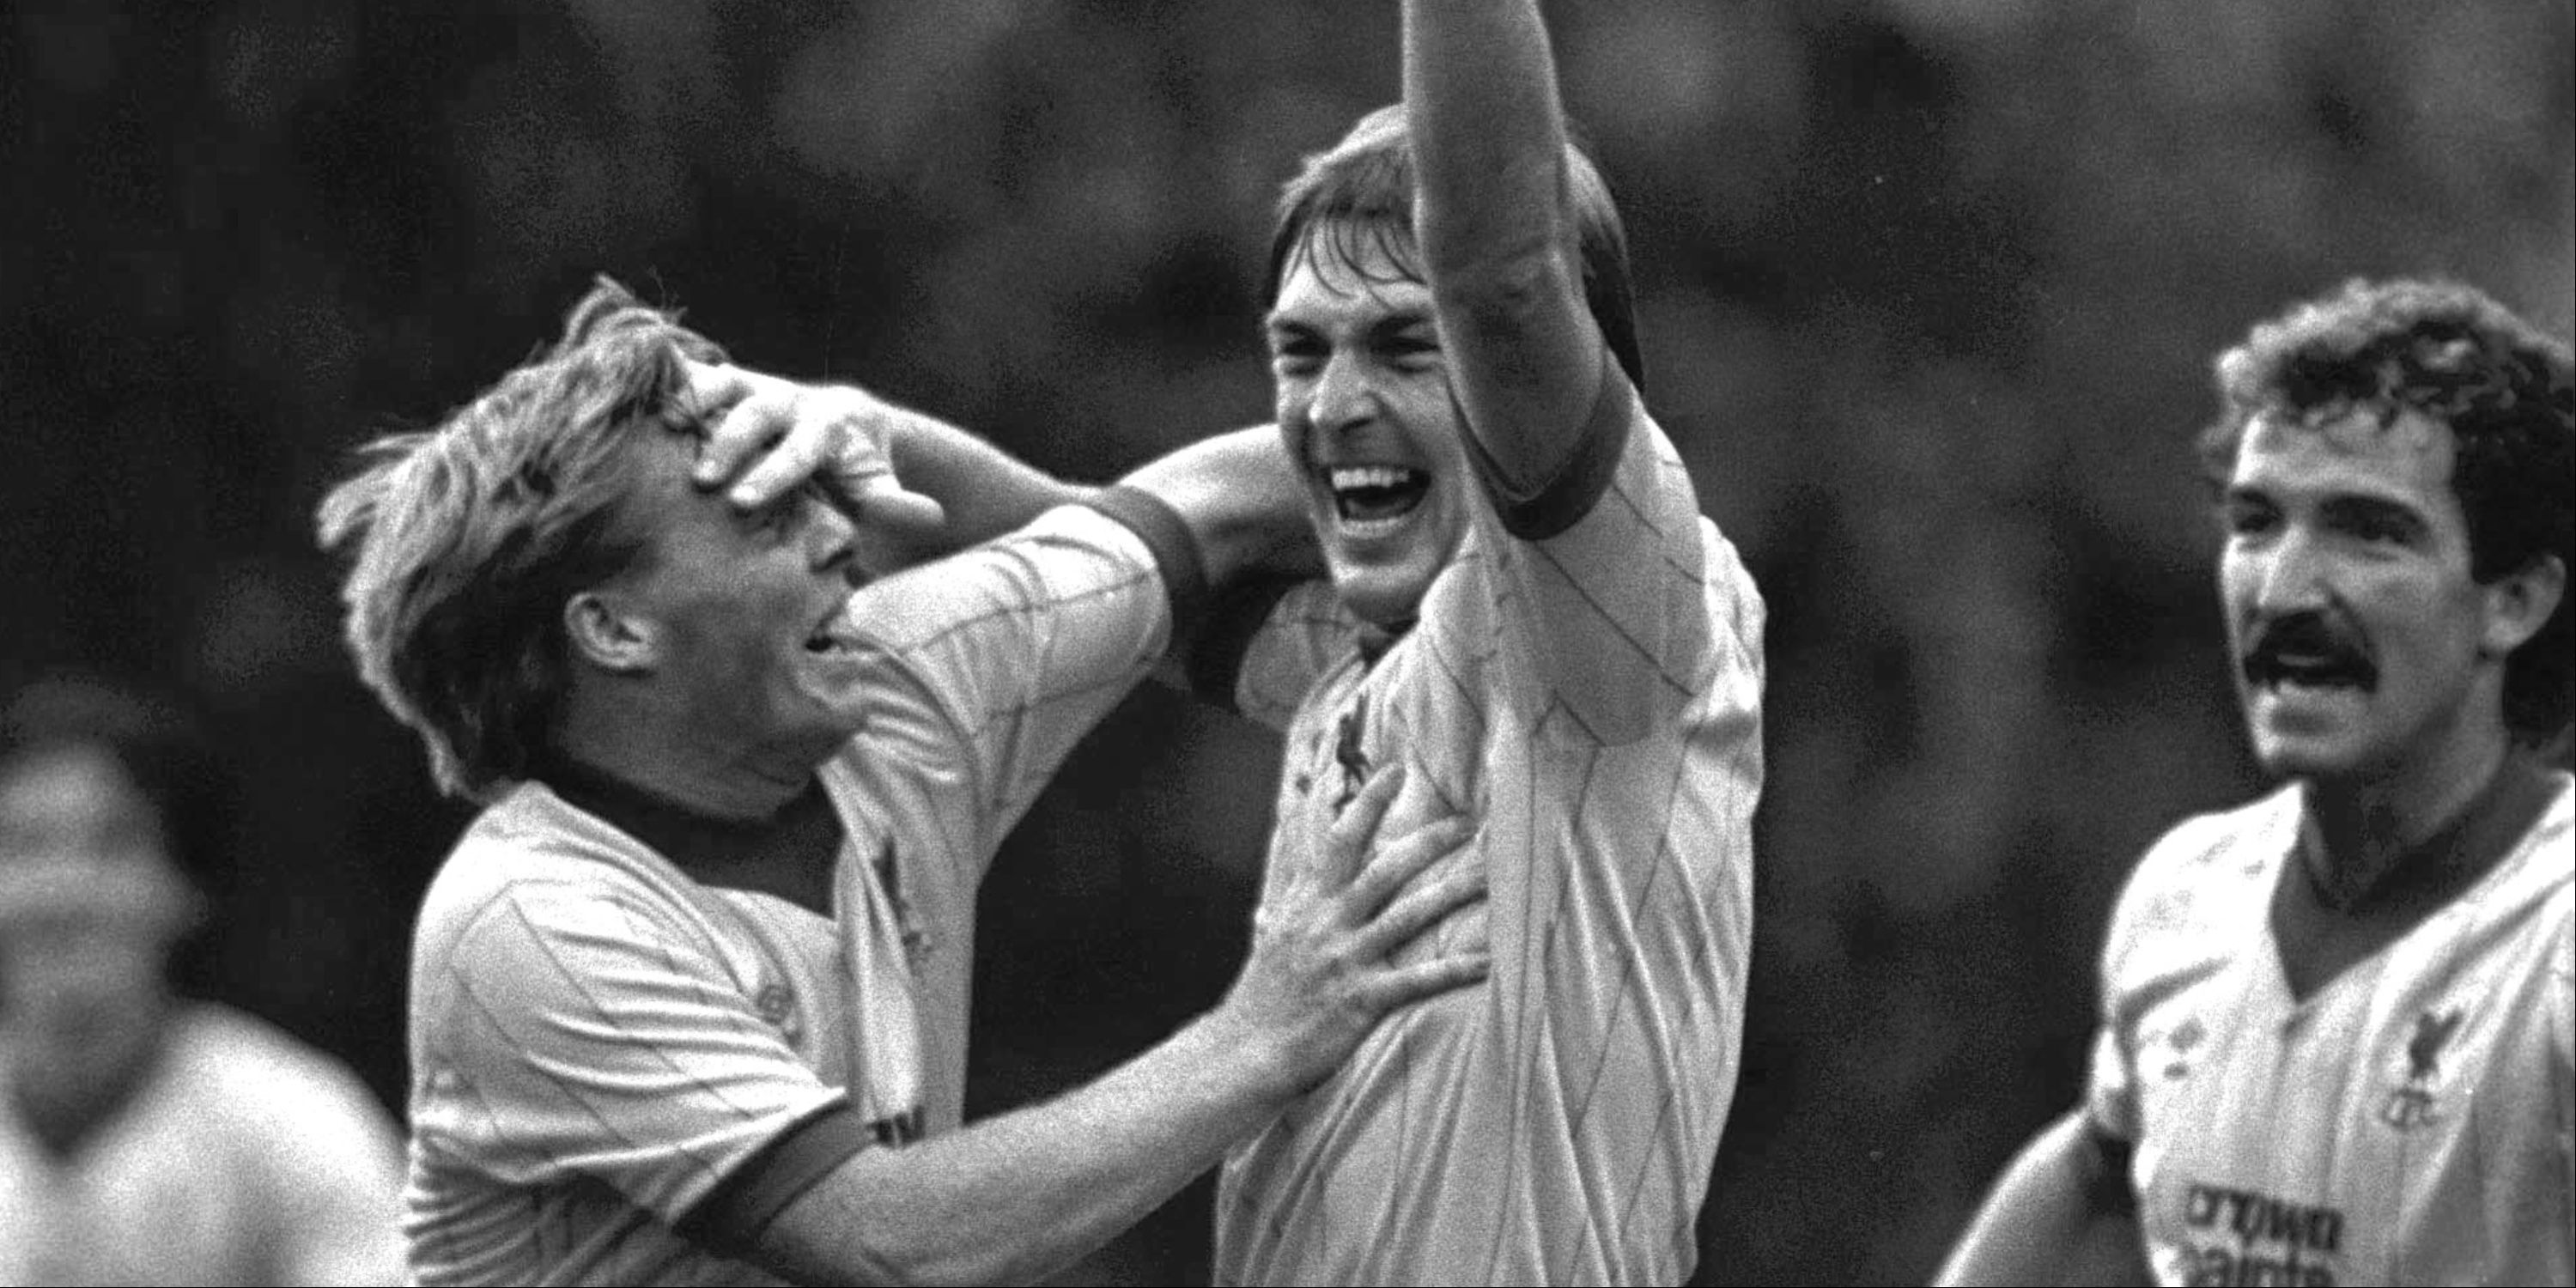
{"points": [[1358, 720], [2381, 1115], [134, 1208], [793, 967]]}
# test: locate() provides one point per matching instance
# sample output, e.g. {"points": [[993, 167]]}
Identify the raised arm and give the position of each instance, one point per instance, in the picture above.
{"points": [[930, 487], [1496, 230], [924, 484], [1242, 503], [2060, 1215]]}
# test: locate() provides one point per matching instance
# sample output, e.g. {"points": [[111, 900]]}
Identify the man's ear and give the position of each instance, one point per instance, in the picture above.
{"points": [[2519, 603], [605, 634]]}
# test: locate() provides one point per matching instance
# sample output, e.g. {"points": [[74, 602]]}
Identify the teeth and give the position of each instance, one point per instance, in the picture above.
{"points": [[1358, 476]]}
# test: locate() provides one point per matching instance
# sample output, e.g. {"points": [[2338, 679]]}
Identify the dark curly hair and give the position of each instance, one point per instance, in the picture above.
{"points": [[2506, 389]]}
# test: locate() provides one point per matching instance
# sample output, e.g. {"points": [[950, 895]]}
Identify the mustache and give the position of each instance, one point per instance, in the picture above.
{"points": [[2308, 646]]}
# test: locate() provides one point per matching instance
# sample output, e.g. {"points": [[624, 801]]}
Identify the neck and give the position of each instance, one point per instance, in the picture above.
{"points": [[2369, 841], [636, 744], [63, 1107]]}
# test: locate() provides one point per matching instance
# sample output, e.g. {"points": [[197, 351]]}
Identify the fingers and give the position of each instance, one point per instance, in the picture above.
{"points": [[772, 436], [749, 423], [1346, 845], [1406, 985], [1398, 863], [882, 502], [1422, 907], [798, 448]]}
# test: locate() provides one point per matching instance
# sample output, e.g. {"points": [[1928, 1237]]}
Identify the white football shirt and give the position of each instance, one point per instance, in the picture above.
{"points": [[2407, 1122], [599, 1041], [1591, 695]]}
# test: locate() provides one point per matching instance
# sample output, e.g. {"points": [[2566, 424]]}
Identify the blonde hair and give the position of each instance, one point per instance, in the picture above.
{"points": [[464, 541]]}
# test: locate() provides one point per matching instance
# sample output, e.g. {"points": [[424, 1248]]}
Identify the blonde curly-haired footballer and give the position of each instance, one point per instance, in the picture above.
{"points": [[689, 997], [2335, 1040]]}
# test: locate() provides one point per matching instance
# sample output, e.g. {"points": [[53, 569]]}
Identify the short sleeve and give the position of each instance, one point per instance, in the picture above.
{"points": [[1006, 655], [1601, 592], [580, 1032], [2111, 1090]]}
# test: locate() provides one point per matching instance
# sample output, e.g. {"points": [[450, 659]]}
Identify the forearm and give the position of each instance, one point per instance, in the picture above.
{"points": [[1497, 236], [2047, 1220], [1488, 133], [985, 490], [1014, 1198], [1243, 503]]}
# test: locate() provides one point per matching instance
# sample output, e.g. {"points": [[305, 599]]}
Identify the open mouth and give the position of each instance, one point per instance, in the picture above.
{"points": [[1376, 493], [833, 635], [2281, 664]]}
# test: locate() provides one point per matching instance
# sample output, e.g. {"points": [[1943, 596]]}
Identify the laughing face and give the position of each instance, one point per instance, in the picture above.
{"points": [[2364, 648], [747, 613], [1364, 405]]}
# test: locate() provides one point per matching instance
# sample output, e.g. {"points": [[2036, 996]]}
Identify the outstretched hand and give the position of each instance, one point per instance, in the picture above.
{"points": [[777, 434], [1323, 968]]}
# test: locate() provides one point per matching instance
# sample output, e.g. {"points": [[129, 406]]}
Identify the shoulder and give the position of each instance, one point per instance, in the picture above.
{"points": [[2213, 853], [2545, 852], [538, 891], [1732, 600], [239, 1064], [530, 848], [2199, 879]]}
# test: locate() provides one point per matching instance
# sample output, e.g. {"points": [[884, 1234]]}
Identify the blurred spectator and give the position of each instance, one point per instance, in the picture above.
{"points": [[147, 1137]]}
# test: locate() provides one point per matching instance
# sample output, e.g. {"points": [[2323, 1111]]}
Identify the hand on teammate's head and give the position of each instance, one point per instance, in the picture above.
{"points": [[774, 435]]}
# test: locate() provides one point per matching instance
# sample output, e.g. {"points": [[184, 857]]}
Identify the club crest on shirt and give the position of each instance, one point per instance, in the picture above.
{"points": [[2411, 1104], [1353, 759], [775, 1003]]}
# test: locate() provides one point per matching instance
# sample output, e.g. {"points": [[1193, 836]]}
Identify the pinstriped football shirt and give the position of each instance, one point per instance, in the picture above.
{"points": [[2407, 1122], [598, 1041], [1591, 696]]}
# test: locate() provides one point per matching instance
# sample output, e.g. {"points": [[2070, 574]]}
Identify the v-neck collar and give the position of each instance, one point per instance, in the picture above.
{"points": [[2479, 842]]}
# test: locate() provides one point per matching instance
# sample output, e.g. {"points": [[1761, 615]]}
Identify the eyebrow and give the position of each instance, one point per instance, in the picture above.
{"points": [[2349, 507], [1280, 326]]}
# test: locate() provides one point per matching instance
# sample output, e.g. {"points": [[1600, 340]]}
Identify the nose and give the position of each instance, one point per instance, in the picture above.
{"points": [[1344, 395], [2291, 575], [831, 542]]}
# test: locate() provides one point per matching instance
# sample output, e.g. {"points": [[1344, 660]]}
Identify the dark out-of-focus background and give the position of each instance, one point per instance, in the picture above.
{"points": [[1929, 287]]}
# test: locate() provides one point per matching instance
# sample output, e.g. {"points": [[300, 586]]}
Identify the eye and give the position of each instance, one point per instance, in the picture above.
{"points": [[2379, 528], [772, 522], [1411, 351], [1296, 355], [2240, 517]]}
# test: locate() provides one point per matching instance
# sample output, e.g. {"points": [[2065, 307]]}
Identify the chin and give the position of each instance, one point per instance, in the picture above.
{"points": [[2318, 759], [1380, 596]]}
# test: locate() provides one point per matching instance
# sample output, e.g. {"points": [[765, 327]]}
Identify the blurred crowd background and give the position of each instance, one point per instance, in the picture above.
{"points": [[1929, 290]]}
